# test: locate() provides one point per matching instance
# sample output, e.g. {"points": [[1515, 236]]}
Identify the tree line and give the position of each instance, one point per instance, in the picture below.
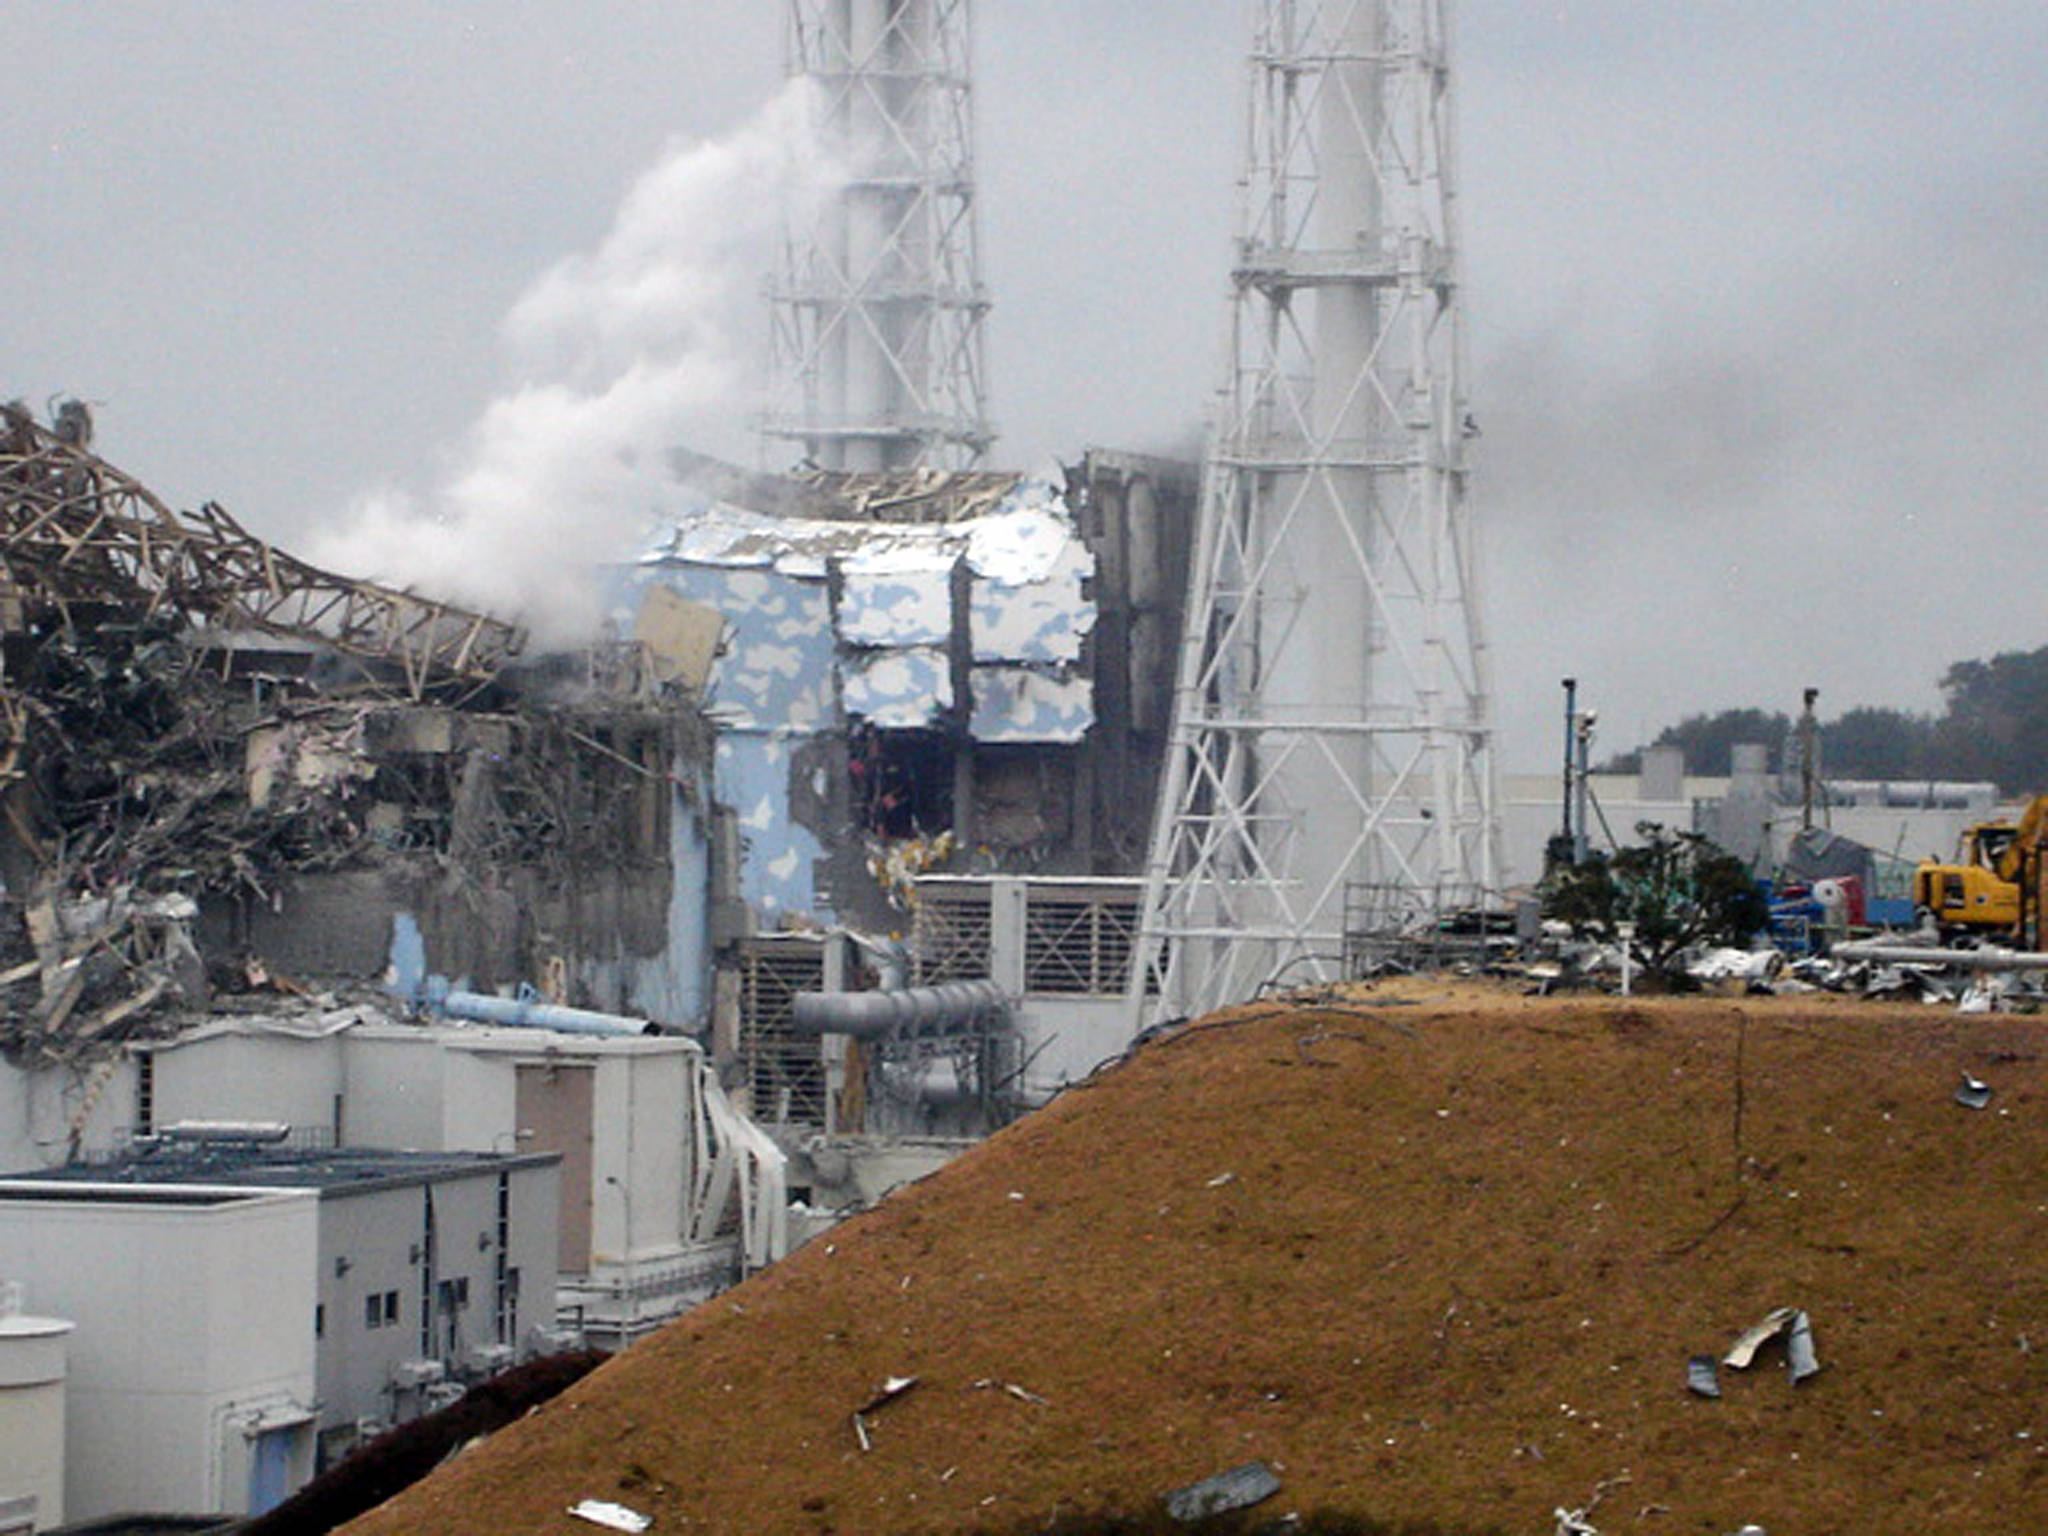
{"points": [[1993, 725]]}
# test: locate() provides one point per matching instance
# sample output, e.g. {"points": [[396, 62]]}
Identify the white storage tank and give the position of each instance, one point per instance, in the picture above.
{"points": [[32, 1370]]}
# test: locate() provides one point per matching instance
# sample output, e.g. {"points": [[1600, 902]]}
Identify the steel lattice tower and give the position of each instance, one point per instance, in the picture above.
{"points": [[876, 351], [1331, 760]]}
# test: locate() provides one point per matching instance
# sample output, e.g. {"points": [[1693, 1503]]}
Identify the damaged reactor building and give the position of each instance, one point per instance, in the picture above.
{"points": [[431, 1003], [819, 868]]}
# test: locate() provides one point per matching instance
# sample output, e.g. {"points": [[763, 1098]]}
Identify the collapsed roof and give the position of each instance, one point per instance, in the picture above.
{"points": [[75, 531]]}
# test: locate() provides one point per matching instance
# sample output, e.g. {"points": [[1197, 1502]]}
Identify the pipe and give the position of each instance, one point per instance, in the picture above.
{"points": [[1990, 958], [532, 1013], [946, 1008]]}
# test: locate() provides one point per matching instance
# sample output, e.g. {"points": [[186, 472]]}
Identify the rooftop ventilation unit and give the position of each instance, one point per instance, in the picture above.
{"points": [[241, 1133], [489, 1359], [411, 1375]]}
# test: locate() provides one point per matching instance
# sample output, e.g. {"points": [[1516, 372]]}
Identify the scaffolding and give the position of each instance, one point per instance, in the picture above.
{"points": [[1331, 714]]}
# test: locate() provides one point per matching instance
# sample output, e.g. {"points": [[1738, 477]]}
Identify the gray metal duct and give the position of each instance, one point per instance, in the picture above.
{"points": [[1987, 959], [947, 1008]]}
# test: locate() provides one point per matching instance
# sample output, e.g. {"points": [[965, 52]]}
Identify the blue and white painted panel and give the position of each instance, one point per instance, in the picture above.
{"points": [[776, 671], [897, 598], [1020, 704], [902, 689], [777, 856], [1044, 619]]}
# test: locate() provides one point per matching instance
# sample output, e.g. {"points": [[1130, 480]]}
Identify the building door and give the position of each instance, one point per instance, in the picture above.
{"points": [[553, 1102], [270, 1467]]}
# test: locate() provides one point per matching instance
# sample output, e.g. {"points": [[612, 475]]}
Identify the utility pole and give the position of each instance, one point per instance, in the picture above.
{"points": [[1332, 739], [875, 347], [1809, 760]]}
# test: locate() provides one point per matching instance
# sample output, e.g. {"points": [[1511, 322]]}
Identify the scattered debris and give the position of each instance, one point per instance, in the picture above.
{"points": [[1578, 1522], [889, 1391], [1700, 1377], [1239, 1488], [1022, 1394], [1973, 1094], [192, 722], [1788, 1323], [613, 1517]]}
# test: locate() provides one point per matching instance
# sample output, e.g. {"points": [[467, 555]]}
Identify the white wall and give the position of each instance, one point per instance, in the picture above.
{"points": [[194, 1318], [396, 1094], [641, 1138], [236, 1072], [39, 1106]]}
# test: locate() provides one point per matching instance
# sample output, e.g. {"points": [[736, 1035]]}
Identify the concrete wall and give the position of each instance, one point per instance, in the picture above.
{"points": [[42, 1106], [296, 1078], [642, 1136], [396, 1097], [455, 1089], [195, 1316]]}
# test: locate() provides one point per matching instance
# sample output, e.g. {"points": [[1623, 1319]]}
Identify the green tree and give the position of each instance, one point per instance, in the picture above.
{"points": [[1868, 743], [1678, 889], [1996, 725]]}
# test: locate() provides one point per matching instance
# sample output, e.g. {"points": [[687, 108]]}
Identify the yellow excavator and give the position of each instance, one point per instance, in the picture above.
{"points": [[1994, 887]]}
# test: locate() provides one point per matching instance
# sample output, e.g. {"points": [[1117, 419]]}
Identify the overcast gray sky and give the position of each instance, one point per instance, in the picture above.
{"points": [[1756, 288]]}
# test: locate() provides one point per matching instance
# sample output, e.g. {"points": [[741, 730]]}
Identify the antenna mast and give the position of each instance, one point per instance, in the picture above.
{"points": [[1331, 764], [875, 353]]}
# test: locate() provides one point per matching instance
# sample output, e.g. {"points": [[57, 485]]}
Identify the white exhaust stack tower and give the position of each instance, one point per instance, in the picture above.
{"points": [[1331, 764], [876, 354]]}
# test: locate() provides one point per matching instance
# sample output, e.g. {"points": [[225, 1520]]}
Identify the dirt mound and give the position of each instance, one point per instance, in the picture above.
{"points": [[1440, 1262]]}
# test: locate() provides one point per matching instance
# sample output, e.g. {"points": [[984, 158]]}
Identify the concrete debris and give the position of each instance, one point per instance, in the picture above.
{"points": [[1973, 1094], [613, 1517], [194, 727], [1239, 1488]]}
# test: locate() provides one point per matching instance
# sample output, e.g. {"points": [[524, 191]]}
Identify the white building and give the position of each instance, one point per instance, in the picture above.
{"points": [[422, 1279], [192, 1369], [650, 1152], [1751, 813]]}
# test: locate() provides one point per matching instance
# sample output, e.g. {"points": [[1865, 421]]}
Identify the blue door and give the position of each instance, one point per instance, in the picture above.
{"points": [[270, 1468]]}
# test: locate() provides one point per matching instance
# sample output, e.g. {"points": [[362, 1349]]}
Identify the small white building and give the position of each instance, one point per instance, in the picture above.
{"points": [[191, 1373], [650, 1153], [422, 1279]]}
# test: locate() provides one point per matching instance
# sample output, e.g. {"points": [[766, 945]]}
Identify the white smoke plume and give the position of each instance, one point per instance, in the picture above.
{"points": [[622, 354]]}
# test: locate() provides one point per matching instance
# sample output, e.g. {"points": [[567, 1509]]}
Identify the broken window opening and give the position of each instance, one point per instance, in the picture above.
{"points": [[902, 781]]}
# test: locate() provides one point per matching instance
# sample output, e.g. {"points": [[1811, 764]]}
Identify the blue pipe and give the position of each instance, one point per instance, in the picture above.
{"points": [[527, 1011]]}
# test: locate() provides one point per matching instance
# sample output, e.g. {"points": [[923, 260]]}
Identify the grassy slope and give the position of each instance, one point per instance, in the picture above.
{"points": [[1443, 1261]]}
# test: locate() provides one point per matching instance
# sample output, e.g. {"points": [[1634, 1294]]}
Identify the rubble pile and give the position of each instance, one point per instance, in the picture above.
{"points": [[191, 720], [1432, 1256]]}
